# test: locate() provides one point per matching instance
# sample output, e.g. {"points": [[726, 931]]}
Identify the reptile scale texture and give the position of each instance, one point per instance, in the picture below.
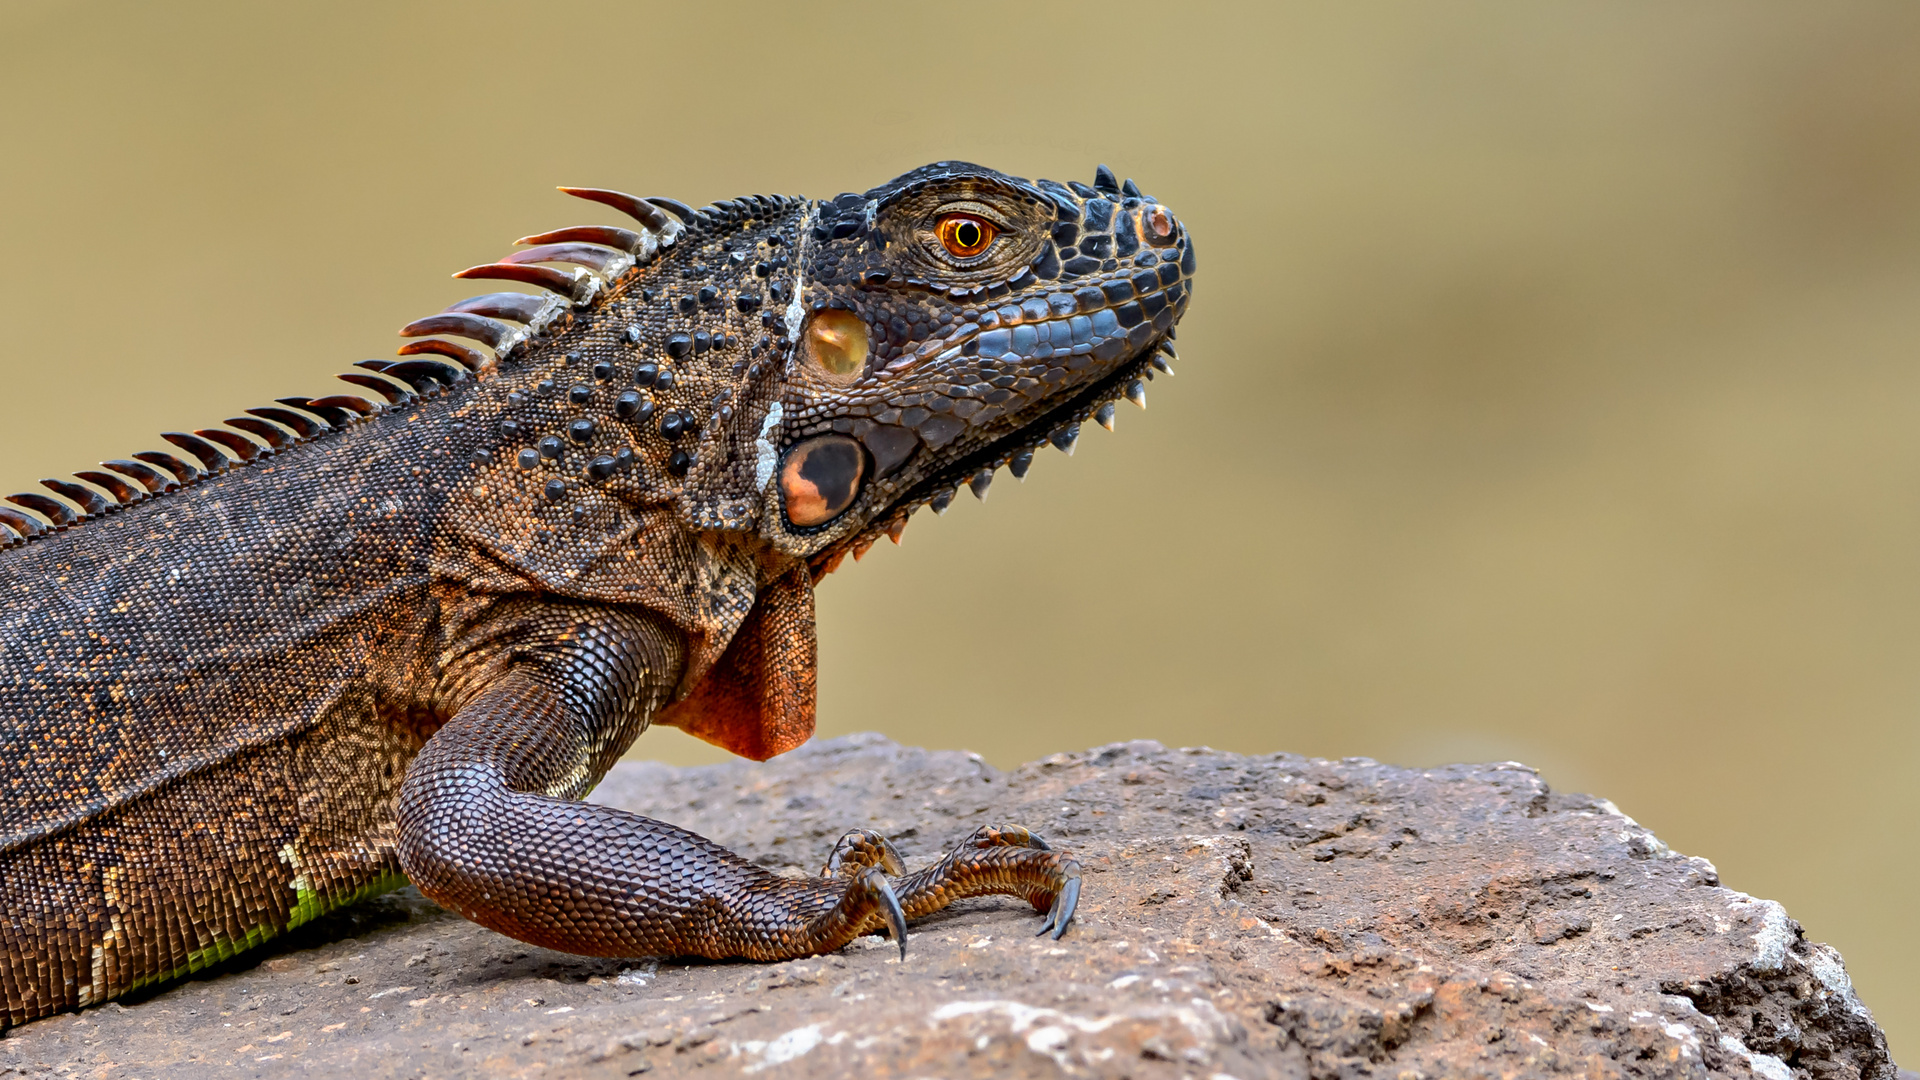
{"points": [[346, 642]]}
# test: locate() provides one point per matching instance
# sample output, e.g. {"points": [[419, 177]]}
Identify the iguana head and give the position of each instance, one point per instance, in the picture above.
{"points": [[947, 324]]}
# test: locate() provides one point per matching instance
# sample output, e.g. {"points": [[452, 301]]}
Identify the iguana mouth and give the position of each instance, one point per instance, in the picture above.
{"points": [[1064, 417], [1059, 425]]}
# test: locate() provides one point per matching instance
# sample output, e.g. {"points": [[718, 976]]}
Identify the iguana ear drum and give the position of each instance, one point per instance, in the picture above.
{"points": [[821, 477], [836, 344]]}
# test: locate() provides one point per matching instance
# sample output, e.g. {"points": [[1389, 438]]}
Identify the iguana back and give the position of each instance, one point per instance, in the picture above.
{"points": [[210, 701]]}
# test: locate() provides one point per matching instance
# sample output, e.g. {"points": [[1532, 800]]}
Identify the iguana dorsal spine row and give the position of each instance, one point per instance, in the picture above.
{"points": [[597, 254]]}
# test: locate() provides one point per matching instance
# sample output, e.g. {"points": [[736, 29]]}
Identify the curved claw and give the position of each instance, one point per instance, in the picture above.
{"points": [[1061, 913], [896, 916]]}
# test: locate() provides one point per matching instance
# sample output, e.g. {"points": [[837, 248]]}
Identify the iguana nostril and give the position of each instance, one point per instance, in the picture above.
{"points": [[837, 340], [821, 477]]}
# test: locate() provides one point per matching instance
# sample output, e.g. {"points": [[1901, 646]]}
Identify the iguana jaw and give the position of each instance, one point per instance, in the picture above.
{"points": [[1059, 426]]}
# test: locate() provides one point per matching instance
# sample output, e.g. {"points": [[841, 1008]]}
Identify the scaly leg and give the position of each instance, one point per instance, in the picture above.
{"points": [[490, 825]]}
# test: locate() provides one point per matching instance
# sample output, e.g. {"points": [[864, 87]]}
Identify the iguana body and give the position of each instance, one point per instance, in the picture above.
{"points": [[267, 677]]}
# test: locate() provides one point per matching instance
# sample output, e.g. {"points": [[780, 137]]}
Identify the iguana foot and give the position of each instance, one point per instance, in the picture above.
{"points": [[869, 896], [865, 858], [1004, 860]]}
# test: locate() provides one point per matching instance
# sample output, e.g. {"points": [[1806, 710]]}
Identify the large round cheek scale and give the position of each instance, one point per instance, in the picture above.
{"points": [[839, 342], [820, 478]]}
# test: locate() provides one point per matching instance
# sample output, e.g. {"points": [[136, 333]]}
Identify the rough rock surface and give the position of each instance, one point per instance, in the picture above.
{"points": [[1242, 916]]}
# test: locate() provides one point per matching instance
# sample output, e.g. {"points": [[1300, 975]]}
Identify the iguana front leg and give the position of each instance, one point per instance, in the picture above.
{"points": [[490, 824]]}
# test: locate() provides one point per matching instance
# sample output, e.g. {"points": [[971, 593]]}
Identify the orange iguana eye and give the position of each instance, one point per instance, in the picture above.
{"points": [[964, 235]]}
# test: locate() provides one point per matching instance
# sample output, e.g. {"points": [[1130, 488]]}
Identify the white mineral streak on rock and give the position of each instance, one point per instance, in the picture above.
{"points": [[1688, 1039], [782, 1048], [1051, 1033], [1228, 859], [1636, 836], [1825, 963], [1765, 1066], [1773, 933]]}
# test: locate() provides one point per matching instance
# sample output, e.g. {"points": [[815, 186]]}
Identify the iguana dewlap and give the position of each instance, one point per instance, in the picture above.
{"points": [[345, 639]]}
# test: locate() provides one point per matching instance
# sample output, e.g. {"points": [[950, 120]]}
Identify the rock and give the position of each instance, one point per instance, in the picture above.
{"points": [[1242, 916]]}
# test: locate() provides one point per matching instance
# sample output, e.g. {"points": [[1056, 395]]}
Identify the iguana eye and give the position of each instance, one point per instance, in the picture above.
{"points": [[964, 235]]}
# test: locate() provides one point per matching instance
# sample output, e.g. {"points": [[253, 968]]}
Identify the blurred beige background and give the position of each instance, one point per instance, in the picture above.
{"points": [[1550, 393]]}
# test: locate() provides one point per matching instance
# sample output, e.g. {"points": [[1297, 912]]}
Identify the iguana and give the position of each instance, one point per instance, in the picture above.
{"points": [[404, 632]]}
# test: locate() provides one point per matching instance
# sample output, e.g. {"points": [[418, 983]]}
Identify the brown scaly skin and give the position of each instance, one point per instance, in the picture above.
{"points": [[262, 677]]}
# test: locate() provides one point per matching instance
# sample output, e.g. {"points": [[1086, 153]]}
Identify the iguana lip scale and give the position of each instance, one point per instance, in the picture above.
{"points": [[345, 642]]}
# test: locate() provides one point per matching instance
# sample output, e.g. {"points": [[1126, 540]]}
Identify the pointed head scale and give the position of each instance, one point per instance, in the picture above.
{"points": [[947, 323]]}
